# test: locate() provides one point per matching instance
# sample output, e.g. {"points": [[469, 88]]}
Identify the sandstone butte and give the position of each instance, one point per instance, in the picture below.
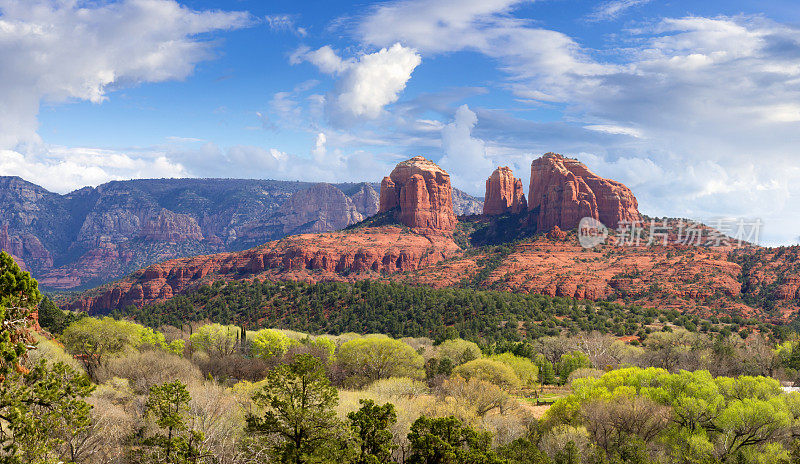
{"points": [[564, 190], [503, 193], [420, 192], [697, 280]]}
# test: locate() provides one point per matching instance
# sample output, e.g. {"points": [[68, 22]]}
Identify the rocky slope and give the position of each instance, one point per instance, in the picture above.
{"points": [[563, 190], [94, 235], [346, 256], [420, 193], [749, 281]]}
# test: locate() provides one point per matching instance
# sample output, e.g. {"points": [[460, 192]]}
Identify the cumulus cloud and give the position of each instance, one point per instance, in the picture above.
{"points": [[524, 51], [83, 49], [464, 156], [365, 84], [56, 51]]}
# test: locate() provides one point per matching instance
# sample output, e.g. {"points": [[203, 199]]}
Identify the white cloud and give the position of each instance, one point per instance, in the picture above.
{"points": [[58, 50], [613, 9], [486, 26], [367, 83], [63, 169], [319, 150], [712, 104], [464, 156], [612, 129], [325, 58]]}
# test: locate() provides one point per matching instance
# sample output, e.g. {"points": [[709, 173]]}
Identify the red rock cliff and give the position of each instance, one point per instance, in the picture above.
{"points": [[422, 192], [563, 191], [339, 256], [503, 193]]}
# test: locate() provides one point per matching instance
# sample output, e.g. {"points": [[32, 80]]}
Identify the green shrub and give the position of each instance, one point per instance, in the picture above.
{"points": [[365, 360], [459, 351], [490, 370], [525, 369]]}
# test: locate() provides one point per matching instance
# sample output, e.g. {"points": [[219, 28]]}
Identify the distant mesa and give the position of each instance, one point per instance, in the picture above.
{"points": [[563, 190], [420, 192], [503, 193]]}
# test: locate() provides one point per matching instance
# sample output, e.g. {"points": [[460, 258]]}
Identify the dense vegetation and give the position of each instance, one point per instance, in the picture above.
{"points": [[113, 391], [415, 311]]}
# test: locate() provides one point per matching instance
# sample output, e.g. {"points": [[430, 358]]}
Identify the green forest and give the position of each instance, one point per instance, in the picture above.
{"points": [[418, 311]]}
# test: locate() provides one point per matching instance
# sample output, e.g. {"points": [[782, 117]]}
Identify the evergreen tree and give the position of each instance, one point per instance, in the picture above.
{"points": [[51, 317], [175, 443], [36, 402], [371, 425], [445, 440], [299, 421]]}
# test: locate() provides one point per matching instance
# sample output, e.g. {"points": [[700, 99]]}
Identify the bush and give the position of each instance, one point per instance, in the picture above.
{"points": [[557, 440], [53, 352], [234, 368], [571, 362], [148, 368], [490, 370], [365, 360], [96, 341], [476, 393], [584, 372], [459, 351], [216, 340], [268, 343], [525, 369]]}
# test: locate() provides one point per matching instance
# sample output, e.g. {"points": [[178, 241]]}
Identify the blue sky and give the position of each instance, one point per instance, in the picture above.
{"points": [[694, 105]]}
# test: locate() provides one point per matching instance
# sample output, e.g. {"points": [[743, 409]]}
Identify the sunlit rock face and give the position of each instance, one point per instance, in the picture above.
{"points": [[420, 191], [563, 190], [503, 193]]}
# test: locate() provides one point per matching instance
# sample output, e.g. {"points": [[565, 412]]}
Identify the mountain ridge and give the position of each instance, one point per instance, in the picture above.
{"points": [[93, 235]]}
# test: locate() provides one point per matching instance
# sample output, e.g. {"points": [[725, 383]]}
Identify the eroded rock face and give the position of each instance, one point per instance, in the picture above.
{"points": [[465, 204], [421, 192], [563, 190], [503, 193], [320, 208], [338, 256], [26, 245], [169, 226], [366, 200]]}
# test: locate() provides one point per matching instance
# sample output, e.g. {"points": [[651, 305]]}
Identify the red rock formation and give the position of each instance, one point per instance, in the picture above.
{"points": [[700, 280], [563, 191], [169, 226], [556, 234], [368, 253], [421, 191], [503, 193]]}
